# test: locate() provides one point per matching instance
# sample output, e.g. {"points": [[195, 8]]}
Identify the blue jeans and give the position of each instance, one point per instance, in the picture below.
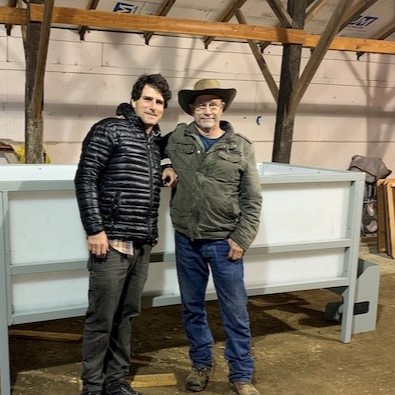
{"points": [[115, 287], [194, 261]]}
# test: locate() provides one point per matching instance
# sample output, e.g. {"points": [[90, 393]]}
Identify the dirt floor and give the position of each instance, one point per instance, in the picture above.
{"points": [[297, 351]]}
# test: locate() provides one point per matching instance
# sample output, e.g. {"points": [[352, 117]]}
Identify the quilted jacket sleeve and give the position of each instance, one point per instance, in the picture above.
{"points": [[96, 150]]}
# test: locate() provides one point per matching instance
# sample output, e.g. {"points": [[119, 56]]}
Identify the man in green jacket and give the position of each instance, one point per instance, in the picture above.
{"points": [[215, 210]]}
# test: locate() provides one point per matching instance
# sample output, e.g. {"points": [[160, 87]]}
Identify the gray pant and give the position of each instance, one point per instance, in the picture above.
{"points": [[115, 287]]}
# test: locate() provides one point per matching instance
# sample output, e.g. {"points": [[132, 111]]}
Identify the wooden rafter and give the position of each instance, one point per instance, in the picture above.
{"points": [[386, 32], [314, 8], [260, 60], [382, 35], [355, 11], [281, 13], [12, 4], [163, 11], [322, 47], [83, 29], [264, 44], [226, 17], [12, 16]]}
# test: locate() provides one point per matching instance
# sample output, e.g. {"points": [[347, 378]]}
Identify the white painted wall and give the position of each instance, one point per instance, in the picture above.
{"points": [[348, 109]]}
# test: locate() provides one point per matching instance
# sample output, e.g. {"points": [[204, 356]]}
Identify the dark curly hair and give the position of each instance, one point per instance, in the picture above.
{"points": [[157, 81]]}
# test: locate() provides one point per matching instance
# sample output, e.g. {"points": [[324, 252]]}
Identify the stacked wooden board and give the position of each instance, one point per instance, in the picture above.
{"points": [[386, 216]]}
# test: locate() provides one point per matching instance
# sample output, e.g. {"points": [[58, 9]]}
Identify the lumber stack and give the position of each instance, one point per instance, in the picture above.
{"points": [[386, 216]]}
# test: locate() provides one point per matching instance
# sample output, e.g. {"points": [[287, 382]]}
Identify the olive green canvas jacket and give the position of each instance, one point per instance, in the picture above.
{"points": [[218, 194]]}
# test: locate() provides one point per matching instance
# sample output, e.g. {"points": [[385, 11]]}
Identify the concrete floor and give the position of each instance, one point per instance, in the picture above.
{"points": [[297, 351]]}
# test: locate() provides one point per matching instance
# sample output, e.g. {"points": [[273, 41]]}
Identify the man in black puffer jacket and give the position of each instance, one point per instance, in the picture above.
{"points": [[117, 186]]}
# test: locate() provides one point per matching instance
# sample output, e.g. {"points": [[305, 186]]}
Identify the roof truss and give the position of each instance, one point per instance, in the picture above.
{"points": [[175, 26]]}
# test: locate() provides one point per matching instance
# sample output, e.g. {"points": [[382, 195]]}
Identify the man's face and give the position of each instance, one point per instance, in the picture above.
{"points": [[207, 111], [149, 107]]}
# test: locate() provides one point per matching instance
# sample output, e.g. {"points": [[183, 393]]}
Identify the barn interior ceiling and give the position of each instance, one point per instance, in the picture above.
{"points": [[264, 20], [360, 26]]}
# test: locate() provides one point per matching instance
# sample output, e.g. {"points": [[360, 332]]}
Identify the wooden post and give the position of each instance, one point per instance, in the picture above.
{"points": [[33, 128], [283, 132], [36, 48]]}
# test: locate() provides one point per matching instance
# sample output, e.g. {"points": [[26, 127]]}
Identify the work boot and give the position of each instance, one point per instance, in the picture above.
{"points": [[243, 388], [91, 393], [119, 387], [197, 380]]}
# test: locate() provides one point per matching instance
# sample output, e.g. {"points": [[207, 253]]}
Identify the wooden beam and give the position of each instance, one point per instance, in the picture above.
{"points": [[42, 55], [34, 99], [385, 32], [33, 128], [354, 11], [281, 13], [83, 29], [102, 19], [153, 380], [226, 17], [327, 36], [290, 67], [12, 4], [40, 335], [110, 20], [12, 16], [260, 60], [163, 11], [353, 44], [315, 8], [381, 35]]}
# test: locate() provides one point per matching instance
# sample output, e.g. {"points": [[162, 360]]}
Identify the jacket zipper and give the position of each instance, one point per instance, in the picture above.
{"points": [[149, 142]]}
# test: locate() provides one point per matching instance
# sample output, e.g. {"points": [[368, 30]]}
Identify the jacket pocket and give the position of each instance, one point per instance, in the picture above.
{"points": [[184, 148], [183, 156], [230, 156], [227, 167]]}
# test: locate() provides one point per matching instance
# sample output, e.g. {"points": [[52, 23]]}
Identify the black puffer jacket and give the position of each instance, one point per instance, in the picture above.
{"points": [[118, 178]]}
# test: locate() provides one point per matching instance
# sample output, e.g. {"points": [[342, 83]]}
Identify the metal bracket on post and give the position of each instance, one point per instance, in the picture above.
{"points": [[366, 299]]}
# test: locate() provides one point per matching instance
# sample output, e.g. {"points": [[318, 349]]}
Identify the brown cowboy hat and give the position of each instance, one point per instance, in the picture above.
{"points": [[205, 87]]}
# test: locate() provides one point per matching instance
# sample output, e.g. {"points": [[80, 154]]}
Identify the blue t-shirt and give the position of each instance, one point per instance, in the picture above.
{"points": [[208, 142]]}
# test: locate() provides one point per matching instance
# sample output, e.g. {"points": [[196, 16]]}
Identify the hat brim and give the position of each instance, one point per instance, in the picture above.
{"points": [[187, 96]]}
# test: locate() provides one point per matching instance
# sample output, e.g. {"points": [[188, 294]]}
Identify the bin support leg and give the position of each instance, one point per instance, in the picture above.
{"points": [[366, 299]]}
